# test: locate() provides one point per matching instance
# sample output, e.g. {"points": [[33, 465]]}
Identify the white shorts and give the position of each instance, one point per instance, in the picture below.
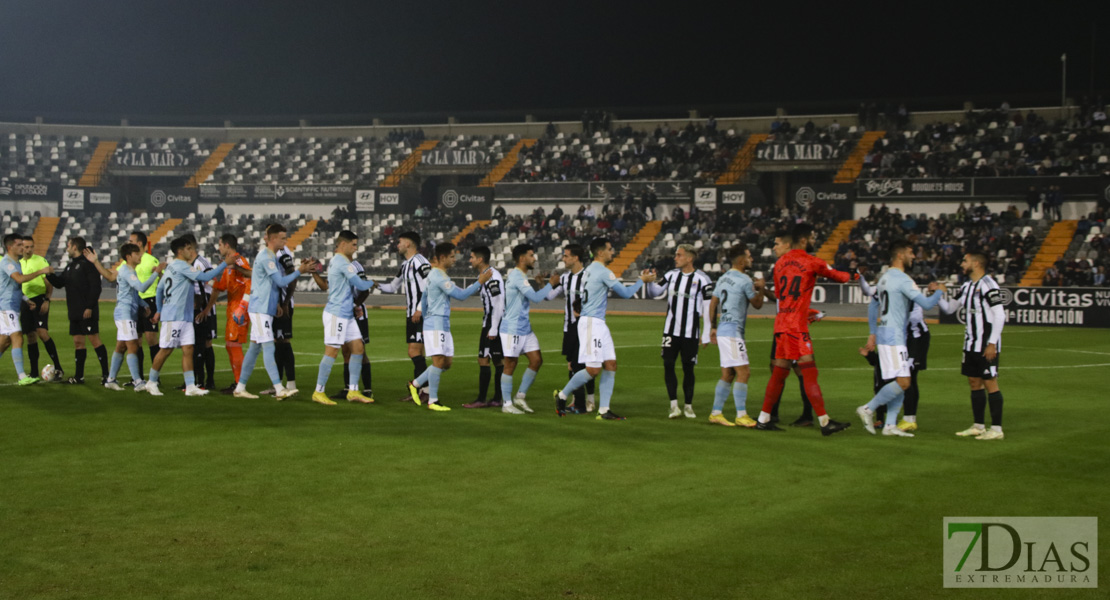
{"points": [[262, 328], [9, 322], [894, 361], [126, 331], [595, 345], [734, 353], [176, 334], [514, 345], [339, 331], [438, 343]]}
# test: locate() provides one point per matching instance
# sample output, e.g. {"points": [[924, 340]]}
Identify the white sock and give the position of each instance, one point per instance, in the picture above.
{"points": [[589, 398], [823, 420], [714, 413], [979, 426], [997, 428], [240, 387], [674, 404], [433, 400], [352, 388], [320, 389], [602, 411], [740, 414], [291, 385], [561, 395], [764, 417], [910, 419], [278, 388]]}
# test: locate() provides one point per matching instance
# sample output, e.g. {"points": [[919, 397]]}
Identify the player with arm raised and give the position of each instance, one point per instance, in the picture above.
{"points": [[782, 246], [570, 286], [82, 284], [147, 327], [12, 279], [688, 292], [358, 300], [236, 282], [489, 340], [731, 296], [340, 329], [36, 314], [436, 310], [897, 293], [517, 336], [795, 276], [411, 280], [596, 348]]}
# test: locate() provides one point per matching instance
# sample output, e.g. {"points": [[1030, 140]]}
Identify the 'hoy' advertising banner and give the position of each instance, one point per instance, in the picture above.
{"points": [[474, 201]]}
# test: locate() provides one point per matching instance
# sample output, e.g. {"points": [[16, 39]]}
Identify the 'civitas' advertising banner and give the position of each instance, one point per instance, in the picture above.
{"points": [[1070, 307], [839, 196], [178, 202], [474, 201]]}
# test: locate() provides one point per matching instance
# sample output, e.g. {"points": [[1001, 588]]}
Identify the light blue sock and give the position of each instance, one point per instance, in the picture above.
{"points": [[117, 362], [270, 363], [356, 372], [507, 387], [608, 381], [526, 381], [249, 360], [885, 395], [190, 378], [133, 366], [17, 358], [580, 379], [423, 379], [893, 408], [740, 396], [719, 396], [433, 382], [154, 375], [325, 370]]}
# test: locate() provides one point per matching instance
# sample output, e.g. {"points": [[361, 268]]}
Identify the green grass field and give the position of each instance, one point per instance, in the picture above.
{"points": [[121, 495]]}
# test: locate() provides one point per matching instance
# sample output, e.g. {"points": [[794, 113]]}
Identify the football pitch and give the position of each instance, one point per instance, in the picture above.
{"points": [[122, 495]]}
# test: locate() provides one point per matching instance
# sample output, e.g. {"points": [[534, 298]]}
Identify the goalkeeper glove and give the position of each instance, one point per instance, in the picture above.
{"points": [[240, 313]]}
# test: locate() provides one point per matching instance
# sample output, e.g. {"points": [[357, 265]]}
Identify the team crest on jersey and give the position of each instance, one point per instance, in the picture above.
{"points": [[272, 265], [612, 275], [350, 268], [449, 286]]}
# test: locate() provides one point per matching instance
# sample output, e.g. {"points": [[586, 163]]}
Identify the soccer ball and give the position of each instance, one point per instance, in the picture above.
{"points": [[48, 373]]}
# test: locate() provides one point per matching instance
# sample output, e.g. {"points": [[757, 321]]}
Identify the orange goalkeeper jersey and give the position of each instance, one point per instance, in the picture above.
{"points": [[235, 283]]}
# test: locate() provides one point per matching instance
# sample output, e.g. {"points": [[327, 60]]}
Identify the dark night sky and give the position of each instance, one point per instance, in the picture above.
{"points": [[216, 59]]}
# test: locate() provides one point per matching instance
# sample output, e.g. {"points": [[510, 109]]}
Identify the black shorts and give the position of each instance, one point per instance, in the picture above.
{"points": [[977, 365], [918, 348], [31, 320], [205, 330], [142, 322], [414, 332], [570, 343], [364, 329], [283, 326], [488, 348], [673, 346], [89, 326]]}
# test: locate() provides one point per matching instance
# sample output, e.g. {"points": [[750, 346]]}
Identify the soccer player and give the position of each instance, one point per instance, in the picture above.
{"points": [[782, 246], [981, 300], [204, 323], [147, 327], [174, 299], [236, 281], [728, 311], [599, 353], [82, 284], [283, 325], [517, 336], [12, 279], [435, 306], [570, 286], [887, 322], [358, 300], [128, 307], [340, 330], [688, 292], [489, 340], [261, 306], [795, 276], [35, 316], [412, 279]]}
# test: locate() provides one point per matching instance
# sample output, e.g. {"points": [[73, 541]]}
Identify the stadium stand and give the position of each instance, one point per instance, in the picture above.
{"points": [[37, 158]]}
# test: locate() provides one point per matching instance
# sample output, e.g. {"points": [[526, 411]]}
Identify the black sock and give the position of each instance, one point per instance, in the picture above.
{"points": [[154, 350], [52, 350], [33, 355], [484, 374], [996, 408], [807, 408], [979, 405], [80, 355], [580, 393], [688, 382], [880, 414], [419, 365], [198, 364], [210, 365], [670, 379], [279, 358], [102, 357], [912, 396], [286, 355], [590, 384], [367, 377], [347, 373], [142, 359]]}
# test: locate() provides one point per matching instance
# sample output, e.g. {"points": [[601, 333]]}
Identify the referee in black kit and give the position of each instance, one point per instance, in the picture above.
{"points": [[81, 281]]}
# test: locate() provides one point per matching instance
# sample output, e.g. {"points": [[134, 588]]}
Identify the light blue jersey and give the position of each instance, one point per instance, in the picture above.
{"points": [[436, 303], [733, 291], [267, 279], [127, 295], [174, 297], [11, 292], [519, 297], [596, 283], [343, 280], [897, 293]]}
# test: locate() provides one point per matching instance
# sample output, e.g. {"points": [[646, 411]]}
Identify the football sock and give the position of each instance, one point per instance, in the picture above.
{"points": [[248, 365], [526, 382], [590, 385], [154, 373], [346, 371], [290, 360], [688, 382], [198, 362], [495, 380], [419, 364], [887, 394], [740, 397], [807, 408], [210, 365], [367, 375], [235, 356], [33, 355], [80, 356], [433, 383], [356, 372], [892, 409], [322, 375], [422, 380], [52, 350], [996, 408], [608, 381], [813, 391], [580, 378], [580, 393], [117, 362], [270, 362], [279, 359], [17, 360], [979, 406], [102, 358], [506, 387], [133, 366], [154, 350], [674, 404], [774, 391], [484, 374], [719, 396], [190, 379], [670, 379]]}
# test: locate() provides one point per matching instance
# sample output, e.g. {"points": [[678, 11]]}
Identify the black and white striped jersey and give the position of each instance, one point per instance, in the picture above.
{"points": [[570, 286], [285, 259], [355, 292], [915, 325], [202, 291], [984, 315], [493, 303], [411, 280], [687, 297]]}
